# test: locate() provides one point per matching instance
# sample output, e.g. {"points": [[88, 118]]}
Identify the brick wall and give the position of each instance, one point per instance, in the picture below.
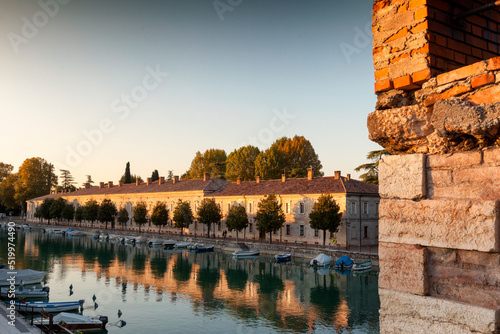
{"points": [[417, 39]]}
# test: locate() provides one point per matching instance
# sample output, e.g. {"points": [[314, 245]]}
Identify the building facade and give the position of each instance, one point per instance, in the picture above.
{"points": [[358, 203]]}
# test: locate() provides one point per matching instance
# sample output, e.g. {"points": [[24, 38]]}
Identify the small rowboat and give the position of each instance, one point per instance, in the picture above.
{"points": [[182, 244], [46, 307], [155, 242], [362, 266], [25, 293], [203, 249], [283, 257], [74, 322], [245, 253]]}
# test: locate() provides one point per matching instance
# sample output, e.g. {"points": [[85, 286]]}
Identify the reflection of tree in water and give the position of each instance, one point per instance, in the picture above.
{"points": [[208, 278], [268, 280], [105, 254], [158, 265], [326, 297], [236, 277], [363, 301], [182, 268], [139, 261], [122, 254]]}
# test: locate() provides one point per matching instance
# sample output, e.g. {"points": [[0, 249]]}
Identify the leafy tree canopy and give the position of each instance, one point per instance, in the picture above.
{"points": [[91, 210], [159, 216], [67, 180], [325, 215], [107, 211], [209, 212], [123, 216], [237, 219], [241, 163], [140, 213], [290, 156], [183, 215], [57, 207], [155, 176], [5, 170], [213, 161], [35, 178], [270, 215], [371, 168], [68, 212]]}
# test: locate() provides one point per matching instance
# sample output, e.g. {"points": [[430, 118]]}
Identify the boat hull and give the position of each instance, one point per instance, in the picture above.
{"points": [[283, 257], [26, 276], [46, 307], [246, 253]]}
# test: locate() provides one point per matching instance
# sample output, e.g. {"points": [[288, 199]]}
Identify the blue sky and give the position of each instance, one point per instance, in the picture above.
{"points": [[90, 85]]}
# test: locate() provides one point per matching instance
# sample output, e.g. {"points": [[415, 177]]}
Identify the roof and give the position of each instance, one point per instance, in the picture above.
{"points": [[318, 185], [208, 186]]}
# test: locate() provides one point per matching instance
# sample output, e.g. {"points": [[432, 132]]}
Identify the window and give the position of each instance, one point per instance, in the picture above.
{"points": [[172, 208], [353, 208], [301, 230], [376, 208], [250, 227], [195, 225], [287, 229], [287, 208], [316, 233], [250, 207], [219, 226], [365, 208], [366, 232], [302, 207]]}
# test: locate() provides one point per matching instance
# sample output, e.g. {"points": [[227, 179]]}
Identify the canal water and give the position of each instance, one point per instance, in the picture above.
{"points": [[160, 291]]}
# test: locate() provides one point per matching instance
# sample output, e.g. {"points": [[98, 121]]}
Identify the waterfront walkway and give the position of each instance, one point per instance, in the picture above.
{"points": [[21, 325]]}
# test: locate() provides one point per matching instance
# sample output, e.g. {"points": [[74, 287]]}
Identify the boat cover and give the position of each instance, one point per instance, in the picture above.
{"points": [[28, 276], [74, 318], [322, 260], [344, 259]]}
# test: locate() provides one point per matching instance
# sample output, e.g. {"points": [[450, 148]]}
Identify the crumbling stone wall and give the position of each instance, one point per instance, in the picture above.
{"points": [[438, 113]]}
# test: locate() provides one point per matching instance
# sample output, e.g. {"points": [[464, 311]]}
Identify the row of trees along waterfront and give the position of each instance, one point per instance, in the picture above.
{"points": [[325, 214], [286, 155]]}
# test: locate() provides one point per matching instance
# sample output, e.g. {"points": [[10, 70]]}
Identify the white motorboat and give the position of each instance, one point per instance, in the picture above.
{"points": [[25, 293], [140, 240], [169, 244], [245, 253], [322, 260], [74, 322], [182, 245], [37, 307], [155, 242], [24, 276]]}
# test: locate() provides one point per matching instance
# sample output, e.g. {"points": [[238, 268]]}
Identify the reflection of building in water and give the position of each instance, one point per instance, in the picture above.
{"points": [[289, 297], [358, 202]]}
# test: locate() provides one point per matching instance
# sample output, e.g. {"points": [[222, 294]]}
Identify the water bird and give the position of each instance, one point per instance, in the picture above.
{"points": [[119, 313], [96, 305], [94, 298], [71, 287]]}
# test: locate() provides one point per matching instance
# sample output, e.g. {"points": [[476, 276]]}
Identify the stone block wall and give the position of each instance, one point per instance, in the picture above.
{"points": [[417, 39]]}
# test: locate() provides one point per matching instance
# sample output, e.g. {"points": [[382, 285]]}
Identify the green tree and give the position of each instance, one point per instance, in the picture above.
{"points": [[213, 161], [8, 191], [325, 215], [91, 211], [159, 216], [123, 217], [127, 177], [290, 156], [183, 215], [155, 176], [270, 215], [209, 212], [133, 178], [107, 212], [5, 170], [68, 212], [45, 208], [140, 214], [57, 208], [371, 168], [38, 213], [79, 214], [36, 178], [241, 163], [67, 180], [89, 180], [170, 175], [237, 219]]}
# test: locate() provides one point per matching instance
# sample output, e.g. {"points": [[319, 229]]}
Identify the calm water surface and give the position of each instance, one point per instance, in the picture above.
{"points": [[182, 292]]}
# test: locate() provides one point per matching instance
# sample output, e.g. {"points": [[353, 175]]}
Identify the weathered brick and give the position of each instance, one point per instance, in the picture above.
{"points": [[403, 82], [482, 79], [407, 313], [493, 64], [379, 74], [477, 177], [420, 27], [488, 95], [423, 49], [454, 91], [439, 178], [401, 33], [383, 85], [402, 176], [403, 268], [421, 76], [458, 224], [421, 13], [492, 157], [461, 159], [461, 73], [467, 276], [416, 3]]}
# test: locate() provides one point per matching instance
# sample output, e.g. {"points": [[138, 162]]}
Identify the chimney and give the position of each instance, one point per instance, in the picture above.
{"points": [[137, 182], [257, 178], [176, 179], [283, 177], [337, 174], [101, 185], [348, 177], [161, 180], [238, 180], [310, 174], [86, 185], [206, 176], [120, 183], [148, 181], [110, 184]]}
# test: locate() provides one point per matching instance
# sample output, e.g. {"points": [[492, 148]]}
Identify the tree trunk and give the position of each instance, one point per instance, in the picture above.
{"points": [[324, 237], [208, 230], [270, 237], [236, 235]]}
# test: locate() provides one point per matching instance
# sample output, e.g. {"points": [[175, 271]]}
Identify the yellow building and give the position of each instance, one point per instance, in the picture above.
{"points": [[358, 202]]}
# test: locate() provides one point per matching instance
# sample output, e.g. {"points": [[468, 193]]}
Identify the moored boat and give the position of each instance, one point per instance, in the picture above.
{"points": [[25, 293], [155, 242], [244, 253], [362, 266], [50, 307], [283, 257], [169, 244], [322, 260], [24, 276], [344, 262], [202, 249], [182, 245], [74, 322]]}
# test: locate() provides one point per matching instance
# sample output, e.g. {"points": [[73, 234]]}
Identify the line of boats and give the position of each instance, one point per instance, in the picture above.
{"points": [[343, 263]]}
